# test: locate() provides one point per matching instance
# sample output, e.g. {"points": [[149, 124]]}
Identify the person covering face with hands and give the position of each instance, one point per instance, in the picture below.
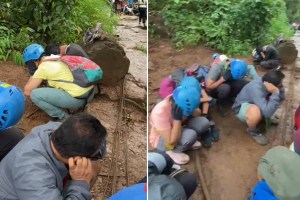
{"points": [[176, 124], [258, 99], [55, 161], [225, 79]]}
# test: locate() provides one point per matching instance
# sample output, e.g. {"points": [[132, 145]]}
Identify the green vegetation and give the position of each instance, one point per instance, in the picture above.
{"points": [[141, 48], [23, 22], [231, 26], [293, 10]]}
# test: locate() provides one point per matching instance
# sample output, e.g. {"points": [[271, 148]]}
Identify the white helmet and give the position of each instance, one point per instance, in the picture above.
{"points": [[223, 57]]}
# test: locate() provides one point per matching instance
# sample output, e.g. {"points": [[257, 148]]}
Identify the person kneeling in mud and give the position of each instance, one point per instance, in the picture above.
{"points": [[259, 99], [12, 108], [224, 80], [175, 127], [62, 93]]}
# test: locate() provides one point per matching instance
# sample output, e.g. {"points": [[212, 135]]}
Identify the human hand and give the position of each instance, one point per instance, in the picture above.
{"points": [[81, 169], [177, 112], [197, 112], [227, 75], [271, 88]]}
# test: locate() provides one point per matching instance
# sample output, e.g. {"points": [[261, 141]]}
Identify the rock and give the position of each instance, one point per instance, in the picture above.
{"points": [[112, 59], [288, 52], [113, 92], [134, 92]]}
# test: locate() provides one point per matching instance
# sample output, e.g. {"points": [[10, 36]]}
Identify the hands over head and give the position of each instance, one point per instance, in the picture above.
{"points": [[271, 88], [177, 112]]}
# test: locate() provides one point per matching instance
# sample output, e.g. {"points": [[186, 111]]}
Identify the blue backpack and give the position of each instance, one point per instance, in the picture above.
{"points": [[200, 72]]}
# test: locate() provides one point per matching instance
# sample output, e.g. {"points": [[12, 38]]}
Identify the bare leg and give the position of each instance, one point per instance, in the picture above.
{"points": [[253, 116]]}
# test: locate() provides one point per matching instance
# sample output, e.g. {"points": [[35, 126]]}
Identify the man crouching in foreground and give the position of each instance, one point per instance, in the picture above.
{"points": [[55, 161]]}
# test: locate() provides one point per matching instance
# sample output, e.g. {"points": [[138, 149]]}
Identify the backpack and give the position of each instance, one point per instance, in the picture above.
{"points": [[84, 71], [200, 72], [177, 76], [279, 167], [166, 88]]}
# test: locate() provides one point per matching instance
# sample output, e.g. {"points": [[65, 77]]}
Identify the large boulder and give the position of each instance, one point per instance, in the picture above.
{"points": [[288, 52], [112, 59]]}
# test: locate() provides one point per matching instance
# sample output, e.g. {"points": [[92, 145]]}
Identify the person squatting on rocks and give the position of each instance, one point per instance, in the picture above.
{"points": [[55, 161], [12, 108], [267, 56], [225, 80], [168, 181], [142, 12], [176, 124], [62, 94], [259, 99]]}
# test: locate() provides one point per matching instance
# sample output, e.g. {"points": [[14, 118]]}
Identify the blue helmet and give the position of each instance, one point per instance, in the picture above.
{"points": [[187, 98], [191, 82], [12, 105], [215, 55], [238, 69], [33, 52]]}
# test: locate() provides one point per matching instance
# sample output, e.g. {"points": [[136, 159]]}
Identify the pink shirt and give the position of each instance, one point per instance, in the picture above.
{"points": [[160, 119]]}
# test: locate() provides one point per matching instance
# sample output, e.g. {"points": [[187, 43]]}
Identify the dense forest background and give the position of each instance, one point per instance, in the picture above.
{"points": [[231, 26], [23, 22]]}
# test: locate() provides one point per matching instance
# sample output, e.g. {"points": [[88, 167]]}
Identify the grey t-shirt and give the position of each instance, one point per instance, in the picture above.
{"points": [[216, 71]]}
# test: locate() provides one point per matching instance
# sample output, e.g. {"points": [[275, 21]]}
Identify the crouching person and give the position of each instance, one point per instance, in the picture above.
{"points": [[258, 99], [62, 93], [168, 132], [12, 108], [55, 161], [168, 181], [278, 175], [225, 80]]}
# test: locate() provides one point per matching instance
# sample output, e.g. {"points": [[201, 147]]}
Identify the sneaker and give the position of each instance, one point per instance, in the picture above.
{"points": [[178, 157], [274, 121], [257, 136], [207, 139], [215, 134], [196, 145]]}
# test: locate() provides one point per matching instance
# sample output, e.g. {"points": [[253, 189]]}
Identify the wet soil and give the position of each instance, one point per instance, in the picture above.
{"points": [[132, 135], [229, 166]]}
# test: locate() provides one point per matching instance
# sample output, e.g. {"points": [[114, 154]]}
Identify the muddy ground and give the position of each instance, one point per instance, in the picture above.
{"points": [[229, 166], [132, 130]]}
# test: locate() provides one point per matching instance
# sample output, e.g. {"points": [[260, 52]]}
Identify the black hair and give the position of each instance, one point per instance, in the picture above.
{"points": [[52, 49], [274, 76], [259, 49], [80, 135]]}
